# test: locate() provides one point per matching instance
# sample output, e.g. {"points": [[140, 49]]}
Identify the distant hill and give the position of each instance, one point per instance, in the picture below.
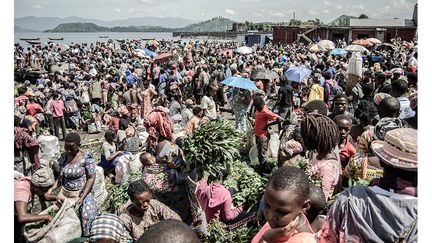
{"points": [[79, 27], [47, 23], [90, 27], [18, 29], [214, 24]]}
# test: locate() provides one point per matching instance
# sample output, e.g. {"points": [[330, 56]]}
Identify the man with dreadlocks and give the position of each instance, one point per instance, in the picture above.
{"points": [[321, 135]]}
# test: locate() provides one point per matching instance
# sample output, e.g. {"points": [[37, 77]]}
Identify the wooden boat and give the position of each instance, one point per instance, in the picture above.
{"points": [[50, 38], [34, 42], [29, 39]]}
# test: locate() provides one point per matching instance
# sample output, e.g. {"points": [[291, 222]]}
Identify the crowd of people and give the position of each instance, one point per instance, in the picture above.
{"points": [[353, 119]]}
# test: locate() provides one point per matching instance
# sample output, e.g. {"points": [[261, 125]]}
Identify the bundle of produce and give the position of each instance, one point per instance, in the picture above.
{"points": [[213, 147], [302, 163], [220, 233], [117, 194], [42, 223], [248, 184]]}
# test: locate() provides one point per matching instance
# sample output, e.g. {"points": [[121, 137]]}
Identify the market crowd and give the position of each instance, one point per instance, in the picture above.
{"points": [[347, 119]]}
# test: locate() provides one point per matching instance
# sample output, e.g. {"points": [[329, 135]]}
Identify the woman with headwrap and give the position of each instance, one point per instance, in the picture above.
{"points": [[159, 126]]}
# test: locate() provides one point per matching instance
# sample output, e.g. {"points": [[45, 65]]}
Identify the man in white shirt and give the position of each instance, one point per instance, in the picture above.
{"points": [[208, 105]]}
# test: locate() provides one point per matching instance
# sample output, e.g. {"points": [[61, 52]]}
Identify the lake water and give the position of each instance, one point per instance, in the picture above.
{"points": [[80, 37]]}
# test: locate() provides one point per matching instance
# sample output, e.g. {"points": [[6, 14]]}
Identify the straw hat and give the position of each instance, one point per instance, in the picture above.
{"points": [[399, 149]]}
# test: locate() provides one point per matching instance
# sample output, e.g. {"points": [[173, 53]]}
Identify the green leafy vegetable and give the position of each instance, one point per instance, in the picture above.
{"points": [[248, 184], [117, 194], [213, 147], [42, 223]]}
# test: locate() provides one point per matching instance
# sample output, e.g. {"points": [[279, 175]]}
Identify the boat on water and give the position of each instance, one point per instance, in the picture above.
{"points": [[29, 39], [50, 38], [103, 36], [33, 42]]}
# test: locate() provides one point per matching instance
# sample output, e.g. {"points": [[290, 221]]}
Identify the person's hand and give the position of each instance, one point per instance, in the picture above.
{"points": [[79, 202], [60, 200], [48, 218], [280, 234]]}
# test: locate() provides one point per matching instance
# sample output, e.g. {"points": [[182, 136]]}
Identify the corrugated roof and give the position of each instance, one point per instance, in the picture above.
{"points": [[342, 20], [380, 23]]}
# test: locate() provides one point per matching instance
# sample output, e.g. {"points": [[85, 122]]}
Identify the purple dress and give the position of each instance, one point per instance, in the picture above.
{"points": [[74, 179]]}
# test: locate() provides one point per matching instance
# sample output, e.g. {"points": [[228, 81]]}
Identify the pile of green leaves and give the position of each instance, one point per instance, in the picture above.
{"points": [[213, 147], [117, 194], [313, 179], [220, 233], [42, 223], [248, 184]]}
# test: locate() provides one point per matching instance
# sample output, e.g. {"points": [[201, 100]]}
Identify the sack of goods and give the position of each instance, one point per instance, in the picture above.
{"points": [[49, 147], [100, 192], [64, 227]]}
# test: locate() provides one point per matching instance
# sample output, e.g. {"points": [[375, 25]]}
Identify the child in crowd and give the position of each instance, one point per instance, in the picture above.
{"points": [[286, 201], [346, 149]]}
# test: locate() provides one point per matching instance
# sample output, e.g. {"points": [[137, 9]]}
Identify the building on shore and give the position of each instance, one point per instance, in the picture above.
{"points": [[349, 27]]}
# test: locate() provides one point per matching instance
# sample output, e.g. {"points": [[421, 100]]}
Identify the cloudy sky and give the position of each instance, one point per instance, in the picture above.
{"points": [[237, 10]]}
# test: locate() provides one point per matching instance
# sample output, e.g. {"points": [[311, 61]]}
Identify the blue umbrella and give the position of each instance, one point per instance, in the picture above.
{"points": [[241, 83], [338, 52], [297, 74], [150, 53]]}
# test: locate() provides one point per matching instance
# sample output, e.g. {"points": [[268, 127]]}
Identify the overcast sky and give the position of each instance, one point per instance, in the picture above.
{"points": [[237, 10]]}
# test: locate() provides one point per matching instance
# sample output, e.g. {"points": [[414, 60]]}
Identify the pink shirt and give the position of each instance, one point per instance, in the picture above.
{"points": [[21, 99], [329, 171], [303, 237], [216, 202], [22, 191], [57, 108]]}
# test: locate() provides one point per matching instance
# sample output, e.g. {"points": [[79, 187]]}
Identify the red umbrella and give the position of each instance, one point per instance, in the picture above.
{"points": [[163, 57], [363, 42]]}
